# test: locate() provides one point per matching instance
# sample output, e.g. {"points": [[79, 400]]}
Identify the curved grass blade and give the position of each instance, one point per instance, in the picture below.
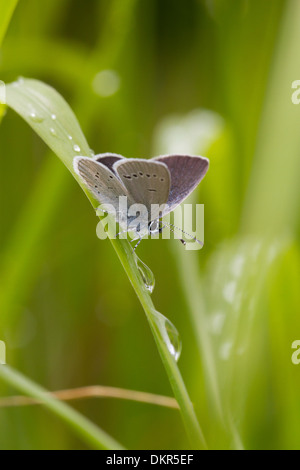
{"points": [[85, 429]]}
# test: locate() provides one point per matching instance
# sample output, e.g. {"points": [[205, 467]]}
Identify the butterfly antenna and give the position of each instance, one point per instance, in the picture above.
{"points": [[182, 241], [182, 231]]}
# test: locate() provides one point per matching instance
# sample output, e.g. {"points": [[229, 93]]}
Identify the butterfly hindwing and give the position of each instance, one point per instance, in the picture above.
{"points": [[108, 159], [186, 173]]}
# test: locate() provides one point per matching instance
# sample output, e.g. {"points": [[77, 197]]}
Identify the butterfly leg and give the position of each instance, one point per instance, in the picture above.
{"points": [[139, 238], [120, 233]]}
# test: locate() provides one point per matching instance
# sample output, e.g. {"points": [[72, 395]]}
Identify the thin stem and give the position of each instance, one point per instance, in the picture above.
{"points": [[85, 429], [95, 391]]}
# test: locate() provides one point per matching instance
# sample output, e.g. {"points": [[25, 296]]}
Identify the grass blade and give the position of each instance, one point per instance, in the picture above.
{"points": [[85, 429], [7, 8]]}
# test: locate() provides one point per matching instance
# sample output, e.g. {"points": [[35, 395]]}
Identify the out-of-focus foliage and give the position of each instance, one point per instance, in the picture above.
{"points": [[145, 78]]}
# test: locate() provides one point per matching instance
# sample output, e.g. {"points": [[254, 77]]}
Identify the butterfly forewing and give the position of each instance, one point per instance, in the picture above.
{"points": [[147, 182], [186, 173], [105, 186]]}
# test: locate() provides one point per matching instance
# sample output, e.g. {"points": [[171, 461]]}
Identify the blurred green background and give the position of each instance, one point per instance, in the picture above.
{"points": [[209, 77]]}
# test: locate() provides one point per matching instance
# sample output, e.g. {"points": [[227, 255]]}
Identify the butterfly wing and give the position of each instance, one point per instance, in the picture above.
{"points": [[186, 173], [147, 182], [164, 181], [103, 183], [108, 159]]}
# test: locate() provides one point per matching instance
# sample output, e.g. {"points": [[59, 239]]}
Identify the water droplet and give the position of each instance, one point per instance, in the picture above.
{"points": [[53, 132], [35, 117], [169, 334], [53, 117], [70, 137], [146, 273], [76, 148], [106, 83], [18, 82]]}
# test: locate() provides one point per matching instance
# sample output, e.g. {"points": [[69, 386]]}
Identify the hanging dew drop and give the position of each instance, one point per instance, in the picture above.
{"points": [[70, 137], [169, 334], [34, 117], [19, 82], [53, 117], [53, 132], [146, 273], [76, 148]]}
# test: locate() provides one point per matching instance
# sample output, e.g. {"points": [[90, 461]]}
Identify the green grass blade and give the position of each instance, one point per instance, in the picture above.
{"points": [[193, 429], [7, 8], [271, 204], [39, 105], [85, 429]]}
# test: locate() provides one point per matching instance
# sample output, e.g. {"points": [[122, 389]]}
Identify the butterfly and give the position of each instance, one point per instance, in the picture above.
{"points": [[158, 185]]}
